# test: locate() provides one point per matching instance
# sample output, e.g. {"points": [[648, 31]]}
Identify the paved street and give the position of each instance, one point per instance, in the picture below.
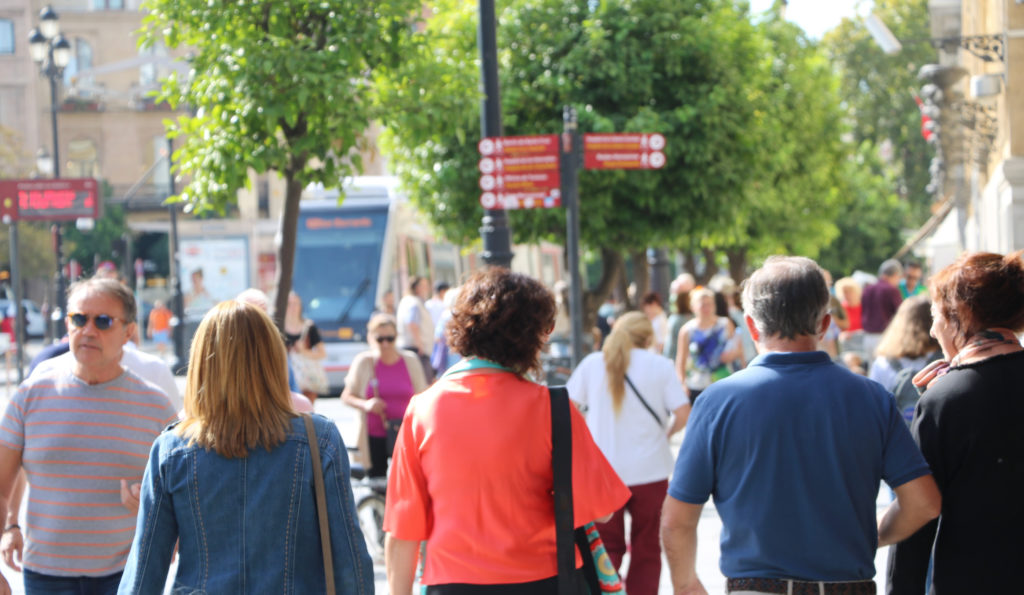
{"points": [[709, 529]]}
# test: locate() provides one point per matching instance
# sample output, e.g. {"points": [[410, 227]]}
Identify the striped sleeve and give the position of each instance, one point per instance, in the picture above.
{"points": [[12, 426]]}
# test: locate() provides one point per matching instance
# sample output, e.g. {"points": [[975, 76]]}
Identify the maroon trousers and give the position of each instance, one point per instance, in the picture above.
{"points": [[644, 508]]}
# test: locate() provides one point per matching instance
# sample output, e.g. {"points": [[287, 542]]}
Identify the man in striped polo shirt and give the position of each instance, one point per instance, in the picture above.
{"points": [[78, 432]]}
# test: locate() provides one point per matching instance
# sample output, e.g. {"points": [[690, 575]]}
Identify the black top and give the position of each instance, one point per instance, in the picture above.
{"points": [[314, 337], [968, 427]]}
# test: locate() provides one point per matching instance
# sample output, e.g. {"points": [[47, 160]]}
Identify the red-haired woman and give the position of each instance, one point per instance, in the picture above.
{"points": [[472, 472], [967, 425]]}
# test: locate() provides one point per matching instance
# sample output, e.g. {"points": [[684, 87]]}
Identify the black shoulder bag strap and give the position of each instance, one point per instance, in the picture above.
{"points": [[644, 401], [566, 536], [561, 467]]}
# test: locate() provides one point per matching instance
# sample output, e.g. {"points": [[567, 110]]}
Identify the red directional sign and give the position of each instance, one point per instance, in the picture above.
{"points": [[500, 146], [49, 200], [623, 151], [520, 172], [521, 200]]}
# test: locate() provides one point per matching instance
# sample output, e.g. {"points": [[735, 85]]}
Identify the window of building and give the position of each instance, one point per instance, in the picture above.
{"points": [[162, 171], [81, 61], [150, 73], [107, 4], [6, 36], [82, 159]]}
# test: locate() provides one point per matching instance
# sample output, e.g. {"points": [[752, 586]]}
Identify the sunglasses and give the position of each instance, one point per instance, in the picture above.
{"points": [[102, 321], [386, 339]]}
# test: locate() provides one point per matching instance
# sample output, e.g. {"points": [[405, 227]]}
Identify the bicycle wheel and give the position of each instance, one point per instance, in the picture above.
{"points": [[370, 512]]}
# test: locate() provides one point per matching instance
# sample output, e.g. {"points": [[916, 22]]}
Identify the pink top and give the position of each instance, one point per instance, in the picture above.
{"points": [[395, 388]]}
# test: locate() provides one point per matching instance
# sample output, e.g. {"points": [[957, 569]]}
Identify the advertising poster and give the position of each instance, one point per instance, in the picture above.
{"points": [[212, 270]]}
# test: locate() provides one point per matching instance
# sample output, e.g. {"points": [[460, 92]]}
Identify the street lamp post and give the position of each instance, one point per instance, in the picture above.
{"points": [[52, 52]]}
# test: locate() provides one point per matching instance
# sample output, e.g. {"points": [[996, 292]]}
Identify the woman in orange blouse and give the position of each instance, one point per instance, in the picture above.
{"points": [[471, 473]]}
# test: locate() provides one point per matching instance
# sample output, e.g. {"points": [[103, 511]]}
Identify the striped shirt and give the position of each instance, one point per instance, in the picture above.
{"points": [[77, 442]]}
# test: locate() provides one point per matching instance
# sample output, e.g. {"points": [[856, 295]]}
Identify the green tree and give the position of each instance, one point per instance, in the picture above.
{"points": [[678, 67], [792, 193], [103, 242], [872, 215], [878, 89], [283, 86]]}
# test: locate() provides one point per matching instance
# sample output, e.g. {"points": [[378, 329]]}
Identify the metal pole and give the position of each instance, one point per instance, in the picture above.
{"points": [[60, 300], [177, 303], [570, 174], [19, 320], [494, 229]]}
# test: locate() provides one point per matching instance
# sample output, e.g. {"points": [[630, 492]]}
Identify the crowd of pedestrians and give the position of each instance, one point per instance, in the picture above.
{"points": [[809, 397]]}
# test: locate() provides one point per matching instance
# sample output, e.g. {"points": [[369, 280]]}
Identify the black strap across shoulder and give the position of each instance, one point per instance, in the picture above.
{"points": [[644, 401], [561, 466], [567, 538]]}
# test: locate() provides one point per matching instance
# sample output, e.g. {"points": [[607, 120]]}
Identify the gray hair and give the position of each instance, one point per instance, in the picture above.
{"points": [[787, 297], [109, 287], [889, 268]]}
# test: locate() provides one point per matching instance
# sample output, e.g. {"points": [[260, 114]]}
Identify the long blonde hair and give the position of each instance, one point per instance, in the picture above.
{"points": [[632, 329], [236, 394]]}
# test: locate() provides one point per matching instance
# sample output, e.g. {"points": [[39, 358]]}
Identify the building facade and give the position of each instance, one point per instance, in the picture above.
{"points": [[984, 167]]}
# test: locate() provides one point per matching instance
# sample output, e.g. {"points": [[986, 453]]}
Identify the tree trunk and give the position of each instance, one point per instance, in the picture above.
{"points": [[737, 264], [710, 265], [286, 251], [641, 278]]}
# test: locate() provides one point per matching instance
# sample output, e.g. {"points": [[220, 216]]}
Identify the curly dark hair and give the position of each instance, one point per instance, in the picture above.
{"points": [[503, 317]]}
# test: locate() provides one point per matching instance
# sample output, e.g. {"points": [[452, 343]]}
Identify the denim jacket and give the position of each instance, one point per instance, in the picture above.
{"points": [[246, 525]]}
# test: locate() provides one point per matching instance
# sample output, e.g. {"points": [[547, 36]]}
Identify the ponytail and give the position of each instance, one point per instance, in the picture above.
{"points": [[629, 331]]}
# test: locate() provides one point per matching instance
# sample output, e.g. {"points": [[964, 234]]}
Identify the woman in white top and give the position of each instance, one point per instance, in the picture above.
{"points": [[628, 395]]}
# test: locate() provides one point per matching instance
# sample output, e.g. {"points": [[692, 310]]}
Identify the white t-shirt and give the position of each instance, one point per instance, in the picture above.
{"points": [[632, 441], [411, 309], [660, 324], [147, 366], [435, 307]]}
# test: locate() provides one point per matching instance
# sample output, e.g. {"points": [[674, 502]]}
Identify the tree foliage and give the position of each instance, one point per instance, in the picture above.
{"points": [[105, 241], [283, 86], [679, 67], [758, 148], [878, 89]]}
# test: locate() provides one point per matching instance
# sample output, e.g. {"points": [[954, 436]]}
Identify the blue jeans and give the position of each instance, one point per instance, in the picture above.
{"points": [[70, 585]]}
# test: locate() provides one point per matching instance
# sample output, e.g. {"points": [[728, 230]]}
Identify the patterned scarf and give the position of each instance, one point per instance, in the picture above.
{"points": [[983, 345]]}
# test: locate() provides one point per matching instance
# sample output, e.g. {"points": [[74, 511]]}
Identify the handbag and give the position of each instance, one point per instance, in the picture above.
{"points": [[598, 571], [321, 503]]}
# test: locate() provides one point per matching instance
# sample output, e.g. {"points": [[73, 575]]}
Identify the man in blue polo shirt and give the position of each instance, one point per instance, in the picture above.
{"points": [[792, 449]]}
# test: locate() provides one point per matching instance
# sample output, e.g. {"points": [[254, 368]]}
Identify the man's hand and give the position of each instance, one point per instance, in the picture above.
{"points": [[130, 495], [11, 546]]}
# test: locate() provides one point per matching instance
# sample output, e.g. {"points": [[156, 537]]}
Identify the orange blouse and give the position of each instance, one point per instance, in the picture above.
{"points": [[472, 475]]}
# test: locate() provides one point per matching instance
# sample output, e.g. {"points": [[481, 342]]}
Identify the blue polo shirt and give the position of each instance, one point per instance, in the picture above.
{"points": [[792, 449]]}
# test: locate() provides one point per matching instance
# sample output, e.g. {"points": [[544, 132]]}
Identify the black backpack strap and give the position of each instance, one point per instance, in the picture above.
{"points": [[644, 401], [561, 466]]}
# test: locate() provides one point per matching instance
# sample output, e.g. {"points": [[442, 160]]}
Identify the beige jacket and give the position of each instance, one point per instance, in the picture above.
{"points": [[358, 378]]}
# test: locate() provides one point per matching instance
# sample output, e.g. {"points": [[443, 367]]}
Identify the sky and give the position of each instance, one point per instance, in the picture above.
{"points": [[817, 16]]}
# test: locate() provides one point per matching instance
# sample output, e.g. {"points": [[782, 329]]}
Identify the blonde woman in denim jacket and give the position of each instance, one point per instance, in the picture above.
{"points": [[232, 483]]}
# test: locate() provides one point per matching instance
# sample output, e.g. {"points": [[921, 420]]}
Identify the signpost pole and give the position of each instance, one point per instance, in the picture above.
{"points": [[177, 303], [570, 165], [494, 228], [19, 324]]}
